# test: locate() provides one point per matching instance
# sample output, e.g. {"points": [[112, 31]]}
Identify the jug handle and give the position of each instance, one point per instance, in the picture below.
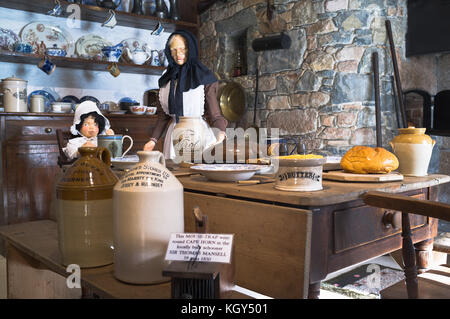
{"points": [[295, 142], [104, 155], [392, 145], [161, 159]]}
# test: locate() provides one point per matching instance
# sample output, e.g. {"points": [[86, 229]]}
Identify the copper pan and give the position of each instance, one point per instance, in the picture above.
{"points": [[232, 101]]}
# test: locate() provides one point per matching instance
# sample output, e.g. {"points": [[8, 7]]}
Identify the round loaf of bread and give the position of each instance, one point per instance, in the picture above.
{"points": [[369, 160]]}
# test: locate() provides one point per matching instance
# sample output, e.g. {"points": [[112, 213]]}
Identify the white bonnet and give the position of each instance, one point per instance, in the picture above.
{"points": [[85, 108]]}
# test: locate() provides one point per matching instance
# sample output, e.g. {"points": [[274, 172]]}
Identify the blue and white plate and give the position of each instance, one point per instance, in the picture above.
{"points": [[226, 172], [48, 98], [7, 39], [70, 99], [90, 98]]}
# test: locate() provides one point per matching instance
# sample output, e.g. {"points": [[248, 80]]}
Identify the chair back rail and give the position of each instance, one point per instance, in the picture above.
{"points": [[408, 205]]}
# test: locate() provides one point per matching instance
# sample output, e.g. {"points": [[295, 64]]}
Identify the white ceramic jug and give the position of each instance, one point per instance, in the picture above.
{"points": [[148, 207]]}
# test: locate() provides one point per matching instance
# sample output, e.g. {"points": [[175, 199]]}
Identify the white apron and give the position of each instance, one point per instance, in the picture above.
{"points": [[193, 105]]}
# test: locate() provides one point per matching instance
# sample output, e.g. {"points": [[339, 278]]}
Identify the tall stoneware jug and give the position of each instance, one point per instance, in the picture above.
{"points": [[85, 209], [413, 149], [148, 207], [188, 138]]}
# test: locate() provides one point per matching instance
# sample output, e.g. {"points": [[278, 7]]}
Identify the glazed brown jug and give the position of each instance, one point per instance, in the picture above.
{"points": [[84, 197]]}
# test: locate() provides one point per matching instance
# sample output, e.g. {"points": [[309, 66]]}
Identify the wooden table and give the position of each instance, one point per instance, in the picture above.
{"points": [[287, 242]]}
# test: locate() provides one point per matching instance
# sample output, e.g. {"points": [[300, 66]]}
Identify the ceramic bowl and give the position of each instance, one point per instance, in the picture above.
{"points": [[227, 172], [151, 110], [138, 109], [61, 107]]}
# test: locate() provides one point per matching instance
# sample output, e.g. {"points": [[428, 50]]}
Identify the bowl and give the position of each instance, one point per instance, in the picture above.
{"points": [[61, 107], [138, 109], [151, 110], [226, 172]]}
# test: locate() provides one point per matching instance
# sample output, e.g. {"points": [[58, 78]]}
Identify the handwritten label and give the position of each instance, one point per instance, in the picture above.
{"points": [[200, 247]]}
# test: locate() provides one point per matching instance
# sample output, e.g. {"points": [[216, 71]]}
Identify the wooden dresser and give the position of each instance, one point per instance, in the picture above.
{"points": [[29, 158]]}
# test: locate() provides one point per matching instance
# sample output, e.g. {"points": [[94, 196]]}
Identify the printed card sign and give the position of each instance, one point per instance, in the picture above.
{"points": [[200, 247]]}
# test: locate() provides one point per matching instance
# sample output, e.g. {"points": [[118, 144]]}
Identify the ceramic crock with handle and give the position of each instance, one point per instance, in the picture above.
{"points": [[14, 92], [188, 138], [85, 209], [148, 207], [413, 149]]}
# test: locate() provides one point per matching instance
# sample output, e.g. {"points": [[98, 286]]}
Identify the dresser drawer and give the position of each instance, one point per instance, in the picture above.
{"points": [[42, 128], [368, 224]]}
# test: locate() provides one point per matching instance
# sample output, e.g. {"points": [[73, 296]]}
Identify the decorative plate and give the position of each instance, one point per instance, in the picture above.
{"points": [[70, 99], [48, 98], [90, 98], [7, 39], [227, 172], [90, 45], [36, 32]]}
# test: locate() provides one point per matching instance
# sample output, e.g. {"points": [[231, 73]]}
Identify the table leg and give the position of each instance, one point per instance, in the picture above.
{"points": [[424, 250], [314, 290]]}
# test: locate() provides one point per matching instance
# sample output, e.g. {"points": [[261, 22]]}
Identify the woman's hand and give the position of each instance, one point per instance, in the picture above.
{"points": [[109, 132], [89, 144], [221, 136], [149, 146]]}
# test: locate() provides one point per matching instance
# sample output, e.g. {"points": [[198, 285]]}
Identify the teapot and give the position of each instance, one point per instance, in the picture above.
{"points": [[138, 56]]}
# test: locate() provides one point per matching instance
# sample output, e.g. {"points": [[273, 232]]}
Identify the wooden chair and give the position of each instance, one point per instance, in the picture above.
{"points": [[435, 282], [62, 138]]}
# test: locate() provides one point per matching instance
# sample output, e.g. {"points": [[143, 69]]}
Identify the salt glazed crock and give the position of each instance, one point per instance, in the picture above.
{"points": [[85, 209], [413, 149], [148, 207]]}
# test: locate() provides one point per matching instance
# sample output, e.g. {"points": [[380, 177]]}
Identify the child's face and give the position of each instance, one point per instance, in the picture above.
{"points": [[89, 127]]}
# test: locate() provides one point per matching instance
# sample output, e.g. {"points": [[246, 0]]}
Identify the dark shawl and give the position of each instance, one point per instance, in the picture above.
{"points": [[189, 75]]}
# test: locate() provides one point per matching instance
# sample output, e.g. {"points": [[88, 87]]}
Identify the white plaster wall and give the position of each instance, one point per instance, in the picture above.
{"points": [[66, 81]]}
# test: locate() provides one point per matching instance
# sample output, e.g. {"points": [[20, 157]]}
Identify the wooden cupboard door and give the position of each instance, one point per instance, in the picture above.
{"points": [[29, 179], [271, 243]]}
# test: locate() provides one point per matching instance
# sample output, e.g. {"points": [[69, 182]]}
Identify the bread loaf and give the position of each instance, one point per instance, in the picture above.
{"points": [[369, 160]]}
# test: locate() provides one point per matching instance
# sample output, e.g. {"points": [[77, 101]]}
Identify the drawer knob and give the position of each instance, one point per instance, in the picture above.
{"points": [[126, 130], [392, 219], [48, 130]]}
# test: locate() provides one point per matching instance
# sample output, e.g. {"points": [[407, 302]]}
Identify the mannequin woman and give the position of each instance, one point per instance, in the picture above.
{"points": [[187, 88]]}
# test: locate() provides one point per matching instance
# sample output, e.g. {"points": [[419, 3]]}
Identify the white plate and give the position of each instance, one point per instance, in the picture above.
{"points": [[125, 162], [90, 45], [7, 39], [227, 172], [36, 32]]}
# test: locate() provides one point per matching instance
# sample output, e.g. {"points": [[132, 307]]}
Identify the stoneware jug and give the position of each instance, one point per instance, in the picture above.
{"points": [[14, 92], [148, 207], [413, 149], [85, 209], [188, 138]]}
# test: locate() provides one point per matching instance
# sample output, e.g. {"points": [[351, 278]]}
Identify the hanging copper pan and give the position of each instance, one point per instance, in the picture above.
{"points": [[232, 101]]}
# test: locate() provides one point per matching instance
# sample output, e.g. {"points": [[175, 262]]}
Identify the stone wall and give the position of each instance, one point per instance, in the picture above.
{"points": [[321, 89]]}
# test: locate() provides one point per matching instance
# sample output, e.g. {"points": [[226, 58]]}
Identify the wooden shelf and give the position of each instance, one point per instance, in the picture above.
{"points": [[99, 14], [78, 63]]}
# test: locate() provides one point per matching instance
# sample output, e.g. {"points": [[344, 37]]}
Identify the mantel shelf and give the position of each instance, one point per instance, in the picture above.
{"points": [[78, 63], [99, 14]]}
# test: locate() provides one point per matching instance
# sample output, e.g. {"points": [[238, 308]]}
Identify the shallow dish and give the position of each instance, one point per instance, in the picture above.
{"points": [[227, 172], [90, 45], [124, 162]]}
